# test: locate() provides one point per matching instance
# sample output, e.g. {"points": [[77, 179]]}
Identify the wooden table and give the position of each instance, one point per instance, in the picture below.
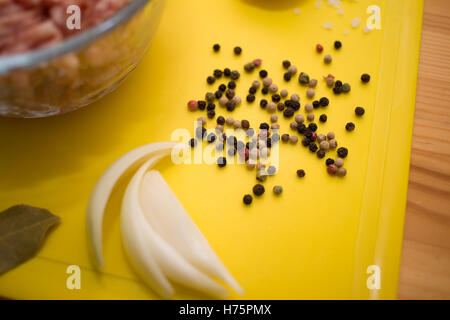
{"points": [[425, 268]]}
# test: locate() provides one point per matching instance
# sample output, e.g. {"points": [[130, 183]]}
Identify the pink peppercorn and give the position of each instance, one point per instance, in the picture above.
{"points": [[313, 136], [319, 48], [332, 168], [257, 62], [192, 105]]}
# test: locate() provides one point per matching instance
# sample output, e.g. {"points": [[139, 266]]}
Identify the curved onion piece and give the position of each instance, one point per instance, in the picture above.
{"points": [[104, 186], [140, 240], [165, 213]]}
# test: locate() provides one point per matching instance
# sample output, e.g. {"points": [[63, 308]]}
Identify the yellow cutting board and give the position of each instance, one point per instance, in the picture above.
{"points": [[316, 240]]}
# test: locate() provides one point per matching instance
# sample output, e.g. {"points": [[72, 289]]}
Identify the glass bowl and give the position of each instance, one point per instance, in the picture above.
{"points": [[81, 69]]}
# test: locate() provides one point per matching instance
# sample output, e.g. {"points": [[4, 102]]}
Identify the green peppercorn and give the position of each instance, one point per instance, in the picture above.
{"points": [[249, 67], [350, 126], [346, 88], [277, 190], [248, 199], [301, 173], [359, 111], [210, 97], [258, 190], [303, 78], [235, 75]]}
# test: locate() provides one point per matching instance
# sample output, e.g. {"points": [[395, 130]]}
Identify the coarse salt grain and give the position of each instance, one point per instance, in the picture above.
{"points": [[346, 31], [328, 25], [341, 11], [297, 11], [356, 22], [366, 29]]}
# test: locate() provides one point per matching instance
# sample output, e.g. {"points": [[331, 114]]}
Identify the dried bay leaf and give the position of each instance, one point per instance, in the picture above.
{"points": [[22, 231]]}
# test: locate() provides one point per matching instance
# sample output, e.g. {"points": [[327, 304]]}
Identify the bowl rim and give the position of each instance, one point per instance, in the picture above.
{"points": [[34, 57]]}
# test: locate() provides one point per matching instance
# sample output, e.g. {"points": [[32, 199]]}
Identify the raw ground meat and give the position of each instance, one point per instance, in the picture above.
{"points": [[31, 24]]}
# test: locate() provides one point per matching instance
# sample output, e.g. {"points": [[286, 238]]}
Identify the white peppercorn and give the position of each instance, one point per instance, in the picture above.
{"points": [[299, 118], [330, 135], [284, 93], [333, 143], [310, 93], [339, 162], [273, 88], [310, 117], [292, 69], [293, 139], [295, 97], [308, 107], [275, 126], [327, 59], [324, 145], [223, 101], [274, 118], [293, 125], [229, 121], [236, 124], [313, 83], [256, 84], [271, 107], [267, 82], [236, 100]]}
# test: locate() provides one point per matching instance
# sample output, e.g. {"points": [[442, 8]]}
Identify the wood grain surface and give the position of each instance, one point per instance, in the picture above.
{"points": [[425, 266]]}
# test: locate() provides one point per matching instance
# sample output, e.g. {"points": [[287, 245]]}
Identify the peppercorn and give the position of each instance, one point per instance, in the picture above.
{"points": [[321, 137], [323, 118], [234, 75], [316, 104], [211, 137], [263, 103], [193, 142], [226, 72], [301, 173], [310, 117], [280, 106], [329, 161], [295, 106], [271, 107], [337, 45], [236, 124], [250, 98], [365, 78], [258, 189], [245, 124], [201, 104], [261, 176], [211, 114], [230, 106], [264, 126], [256, 84], [249, 67], [210, 80], [330, 135], [275, 126], [192, 105], [248, 199], [273, 88], [346, 88], [218, 94], [312, 126], [350, 126], [201, 120], [306, 142], [329, 81], [341, 172], [310, 93], [324, 102], [313, 147], [275, 138], [295, 97], [293, 139], [285, 137], [216, 47], [273, 118], [319, 48], [313, 136], [230, 93], [324, 145], [320, 154], [210, 106], [231, 85], [327, 59], [236, 100], [220, 120], [292, 70], [288, 113], [277, 190], [217, 73], [250, 132], [276, 97], [312, 83], [209, 96], [303, 78], [342, 152], [359, 111], [287, 76], [237, 50], [339, 162], [219, 128], [301, 128], [337, 90], [200, 132], [333, 143], [331, 169], [265, 90], [222, 162], [271, 170], [286, 64], [263, 74]]}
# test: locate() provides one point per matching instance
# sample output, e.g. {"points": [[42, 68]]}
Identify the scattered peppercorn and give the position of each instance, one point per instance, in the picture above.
{"points": [[319, 48], [341, 172], [263, 74], [359, 111], [327, 59], [310, 93], [226, 72], [301, 173], [201, 104], [263, 103], [222, 87], [265, 90], [287, 76], [316, 104], [217, 73], [310, 117], [211, 114], [306, 142], [245, 124], [257, 62], [337, 90], [210, 80], [258, 189], [285, 137], [222, 162], [303, 78], [249, 67], [281, 106], [231, 85], [230, 106], [301, 128], [313, 147], [193, 142], [365, 78], [320, 154], [264, 126], [248, 199], [323, 118], [350, 126], [286, 64], [342, 152], [288, 113], [250, 98], [324, 102], [218, 94], [277, 190], [337, 45], [210, 106], [339, 162], [216, 47], [312, 126], [329, 161], [346, 88], [234, 75], [237, 50], [220, 120], [192, 105], [276, 97]]}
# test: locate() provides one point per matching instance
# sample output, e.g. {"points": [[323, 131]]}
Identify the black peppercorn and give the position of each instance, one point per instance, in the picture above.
{"points": [[252, 90], [222, 162], [323, 118], [320, 154], [258, 189], [200, 132], [263, 103], [245, 124], [265, 90], [337, 90], [201, 104], [280, 106], [301, 128], [216, 47], [287, 76], [231, 85], [337, 45], [342, 152], [316, 104], [288, 103], [312, 126], [359, 111], [286, 64], [263, 74], [324, 102], [230, 93], [338, 83], [276, 97], [237, 50], [313, 147], [365, 78], [288, 113], [223, 87], [210, 80], [230, 106], [306, 142], [218, 94], [210, 106], [271, 170], [301, 173], [350, 126], [269, 142], [264, 126], [329, 161], [295, 105], [234, 75], [211, 137], [226, 72], [220, 120], [250, 98], [248, 199], [211, 114], [193, 143], [217, 73], [231, 151]]}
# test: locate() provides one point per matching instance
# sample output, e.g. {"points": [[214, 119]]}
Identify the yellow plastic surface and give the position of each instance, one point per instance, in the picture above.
{"points": [[319, 237]]}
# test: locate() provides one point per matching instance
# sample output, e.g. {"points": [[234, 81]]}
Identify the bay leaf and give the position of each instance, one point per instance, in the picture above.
{"points": [[22, 231]]}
